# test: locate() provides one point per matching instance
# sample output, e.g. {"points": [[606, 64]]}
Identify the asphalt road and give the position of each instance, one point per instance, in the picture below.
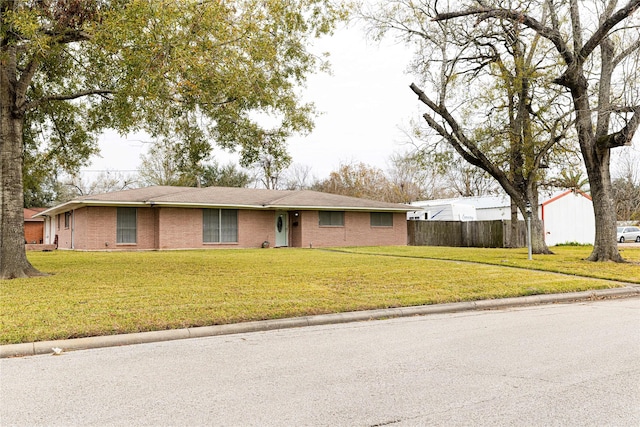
{"points": [[562, 364]]}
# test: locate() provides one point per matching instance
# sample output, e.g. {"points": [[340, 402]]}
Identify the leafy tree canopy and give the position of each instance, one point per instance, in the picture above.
{"points": [[195, 70]]}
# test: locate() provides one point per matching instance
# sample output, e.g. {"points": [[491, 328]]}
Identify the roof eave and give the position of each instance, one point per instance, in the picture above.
{"points": [[342, 208], [76, 204], [204, 205]]}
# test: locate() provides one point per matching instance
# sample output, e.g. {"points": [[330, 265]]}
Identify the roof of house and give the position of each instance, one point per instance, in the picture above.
{"points": [[29, 214], [227, 197], [491, 202]]}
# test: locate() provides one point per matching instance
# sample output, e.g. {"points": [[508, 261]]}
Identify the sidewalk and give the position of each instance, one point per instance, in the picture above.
{"points": [[45, 347]]}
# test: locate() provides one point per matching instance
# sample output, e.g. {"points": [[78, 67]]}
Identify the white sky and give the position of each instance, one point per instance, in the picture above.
{"points": [[365, 103]]}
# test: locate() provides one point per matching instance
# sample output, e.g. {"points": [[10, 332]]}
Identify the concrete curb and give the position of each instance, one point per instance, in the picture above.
{"points": [[45, 347]]}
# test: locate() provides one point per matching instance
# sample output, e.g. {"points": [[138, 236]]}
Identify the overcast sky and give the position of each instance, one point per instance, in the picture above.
{"points": [[365, 103]]}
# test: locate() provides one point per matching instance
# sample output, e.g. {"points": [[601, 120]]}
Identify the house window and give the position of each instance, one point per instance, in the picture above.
{"points": [[67, 219], [219, 226], [331, 219], [126, 225], [381, 219]]}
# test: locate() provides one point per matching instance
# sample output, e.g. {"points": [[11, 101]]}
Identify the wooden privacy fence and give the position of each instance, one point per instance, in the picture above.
{"points": [[480, 234]]}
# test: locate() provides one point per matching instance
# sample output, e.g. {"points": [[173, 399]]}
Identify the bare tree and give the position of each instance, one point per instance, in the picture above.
{"points": [[425, 175], [361, 180], [298, 177], [468, 181], [159, 166], [413, 180], [595, 42], [73, 186], [478, 84]]}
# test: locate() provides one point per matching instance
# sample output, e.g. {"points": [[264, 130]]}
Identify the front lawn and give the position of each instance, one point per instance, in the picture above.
{"points": [[566, 259], [97, 293]]}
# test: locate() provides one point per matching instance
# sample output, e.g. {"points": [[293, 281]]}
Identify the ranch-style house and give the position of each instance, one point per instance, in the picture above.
{"points": [[164, 217]]}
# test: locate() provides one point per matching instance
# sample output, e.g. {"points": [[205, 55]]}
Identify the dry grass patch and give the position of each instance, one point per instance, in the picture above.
{"points": [[98, 293]]}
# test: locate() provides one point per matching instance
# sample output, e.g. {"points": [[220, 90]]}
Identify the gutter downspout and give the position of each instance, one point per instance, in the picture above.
{"points": [[73, 227], [48, 222]]}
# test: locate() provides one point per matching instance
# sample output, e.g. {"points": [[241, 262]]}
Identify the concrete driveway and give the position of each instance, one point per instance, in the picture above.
{"points": [[561, 364]]}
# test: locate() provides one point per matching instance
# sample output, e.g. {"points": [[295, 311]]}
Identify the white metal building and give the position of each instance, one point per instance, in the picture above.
{"points": [[444, 211], [567, 216]]}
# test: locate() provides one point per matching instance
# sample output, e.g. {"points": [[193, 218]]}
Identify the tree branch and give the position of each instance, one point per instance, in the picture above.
{"points": [[36, 103], [551, 142], [607, 25], [555, 23], [67, 37], [551, 34], [457, 139], [23, 83], [628, 51], [623, 136], [576, 27]]}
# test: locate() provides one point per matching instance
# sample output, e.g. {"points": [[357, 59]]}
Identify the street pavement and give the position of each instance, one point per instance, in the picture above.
{"points": [[558, 364]]}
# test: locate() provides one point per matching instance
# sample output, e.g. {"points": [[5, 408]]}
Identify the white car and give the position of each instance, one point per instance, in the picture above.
{"points": [[628, 234]]}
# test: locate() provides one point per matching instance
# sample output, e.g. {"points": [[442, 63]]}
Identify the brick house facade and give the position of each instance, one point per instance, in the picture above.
{"points": [[33, 227], [216, 217]]}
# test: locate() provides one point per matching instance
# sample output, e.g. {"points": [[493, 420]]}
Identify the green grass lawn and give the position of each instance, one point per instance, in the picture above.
{"points": [[97, 293], [566, 259]]}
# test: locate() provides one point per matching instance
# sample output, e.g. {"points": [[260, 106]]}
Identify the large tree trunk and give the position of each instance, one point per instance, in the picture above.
{"points": [[538, 244], [13, 258], [513, 241], [597, 163], [596, 152], [605, 246], [538, 238]]}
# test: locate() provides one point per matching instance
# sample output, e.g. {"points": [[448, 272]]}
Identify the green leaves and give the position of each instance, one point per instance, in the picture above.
{"points": [[223, 61], [201, 71], [191, 73]]}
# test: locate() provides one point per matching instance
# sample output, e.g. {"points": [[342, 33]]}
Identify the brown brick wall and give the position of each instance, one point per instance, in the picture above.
{"points": [[146, 238], [80, 220], [34, 231], [181, 228], [94, 228], [256, 227], [357, 231], [63, 233], [295, 229], [101, 232], [101, 228]]}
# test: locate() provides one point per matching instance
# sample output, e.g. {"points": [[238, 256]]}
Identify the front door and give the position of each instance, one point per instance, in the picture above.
{"points": [[282, 228]]}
